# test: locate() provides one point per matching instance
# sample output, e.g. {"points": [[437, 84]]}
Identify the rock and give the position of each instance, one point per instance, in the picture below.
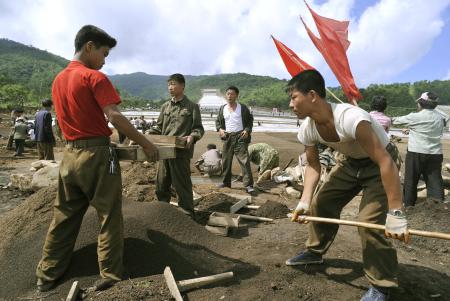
{"points": [[21, 181], [293, 192], [43, 163], [45, 177]]}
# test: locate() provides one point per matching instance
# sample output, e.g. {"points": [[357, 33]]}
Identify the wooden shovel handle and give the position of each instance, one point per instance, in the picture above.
{"points": [[439, 235]]}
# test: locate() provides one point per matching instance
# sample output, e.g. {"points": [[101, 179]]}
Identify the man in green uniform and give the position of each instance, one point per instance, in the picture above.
{"points": [[264, 156], [179, 117]]}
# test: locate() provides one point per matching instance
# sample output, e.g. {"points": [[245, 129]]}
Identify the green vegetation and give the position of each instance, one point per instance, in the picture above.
{"points": [[26, 75]]}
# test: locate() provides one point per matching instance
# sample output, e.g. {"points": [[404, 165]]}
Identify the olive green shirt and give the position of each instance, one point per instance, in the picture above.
{"points": [[181, 118]]}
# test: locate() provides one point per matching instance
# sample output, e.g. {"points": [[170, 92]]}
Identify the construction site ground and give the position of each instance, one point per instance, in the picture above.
{"points": [[159, 235]]}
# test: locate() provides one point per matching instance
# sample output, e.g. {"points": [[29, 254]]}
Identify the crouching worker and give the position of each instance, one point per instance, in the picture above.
{"points": [[210, 162], [369, 166], [89, 172]]}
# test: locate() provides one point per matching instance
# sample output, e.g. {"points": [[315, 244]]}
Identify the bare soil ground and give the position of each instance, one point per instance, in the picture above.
{"points": [[157, 235]]}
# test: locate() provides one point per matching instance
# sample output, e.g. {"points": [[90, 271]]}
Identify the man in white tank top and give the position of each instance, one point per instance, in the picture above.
{"points": [[369, 166]]}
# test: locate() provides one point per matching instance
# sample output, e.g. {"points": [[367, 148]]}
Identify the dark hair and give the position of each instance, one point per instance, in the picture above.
{"points": [[46, 103], [429, 104], [379, 103], [306, 81], [211, 146], [18, 110], [92, 33], [179, 78], [234, 88]]}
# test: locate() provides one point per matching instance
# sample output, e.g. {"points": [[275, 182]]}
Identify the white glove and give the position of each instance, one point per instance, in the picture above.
{"points": [[301, 209], [397, 227]]}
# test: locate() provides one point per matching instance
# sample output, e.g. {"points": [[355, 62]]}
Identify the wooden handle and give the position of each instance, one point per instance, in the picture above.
{"points": [[255, 218], [185, 285], [439, 235]]}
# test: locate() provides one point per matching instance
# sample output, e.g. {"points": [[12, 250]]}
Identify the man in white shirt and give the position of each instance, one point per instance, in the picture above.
{"points": [[369, 166], [234, 123], [424, 156]]}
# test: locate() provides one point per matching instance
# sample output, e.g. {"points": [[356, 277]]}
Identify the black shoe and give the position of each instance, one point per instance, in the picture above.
{"points": [[305, 257], [104, 283], [223, 185], [44, 285]]}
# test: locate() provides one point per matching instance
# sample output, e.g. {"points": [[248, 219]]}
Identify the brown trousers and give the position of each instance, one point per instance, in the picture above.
{"points": [[343, 183], [176, 172], [233, 145], [45, 151], [84, 179]]}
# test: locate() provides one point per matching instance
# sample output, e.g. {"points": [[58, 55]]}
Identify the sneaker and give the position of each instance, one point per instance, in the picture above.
{"points": [[374, 294], [305, 257], [44, 285], [250, 189], [223, 185], [104, 283]]}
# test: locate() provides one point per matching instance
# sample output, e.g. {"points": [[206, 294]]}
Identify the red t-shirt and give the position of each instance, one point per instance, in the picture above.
{"points": [[79, 93]]}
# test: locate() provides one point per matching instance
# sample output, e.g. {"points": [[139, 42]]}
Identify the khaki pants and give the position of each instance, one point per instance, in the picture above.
{"points": [[176, 172], [45, 151], [233, 145], [84, 180], [345, 181]]}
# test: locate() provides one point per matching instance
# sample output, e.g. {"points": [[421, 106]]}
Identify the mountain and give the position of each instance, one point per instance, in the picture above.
{"points": [[26, 73], [267, 91]]}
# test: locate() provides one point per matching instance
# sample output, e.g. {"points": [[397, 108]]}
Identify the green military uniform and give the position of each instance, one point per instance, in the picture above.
{"points": [[181, 118], [263, 155]]}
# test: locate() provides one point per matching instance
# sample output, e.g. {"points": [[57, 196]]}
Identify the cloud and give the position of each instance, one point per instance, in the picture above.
{"points": [[208, 37]]}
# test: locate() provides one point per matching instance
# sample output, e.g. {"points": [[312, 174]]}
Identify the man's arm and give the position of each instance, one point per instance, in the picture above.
{"points": [[369, 141], [312, 176], [123, 125]]}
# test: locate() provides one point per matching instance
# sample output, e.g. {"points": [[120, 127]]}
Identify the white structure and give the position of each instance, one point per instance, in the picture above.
{"points": [[211, 100]]}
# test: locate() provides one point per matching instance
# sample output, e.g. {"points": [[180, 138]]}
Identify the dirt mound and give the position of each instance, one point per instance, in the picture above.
{"points": [[152, 288], [430, 216], [216, 201], [156, 235], [27, 217], [272, 209], [138, 181]]}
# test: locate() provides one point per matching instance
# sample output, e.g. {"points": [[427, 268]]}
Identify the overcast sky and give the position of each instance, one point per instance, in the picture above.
{"points": [[391, 40]]}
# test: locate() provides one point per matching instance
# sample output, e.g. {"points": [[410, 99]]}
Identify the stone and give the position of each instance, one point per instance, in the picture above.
{"points": [[45, 177], [293, 192], [21, 181]]}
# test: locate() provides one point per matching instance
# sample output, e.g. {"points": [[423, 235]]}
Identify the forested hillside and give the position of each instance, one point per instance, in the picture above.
{"points": [[26, 74]]}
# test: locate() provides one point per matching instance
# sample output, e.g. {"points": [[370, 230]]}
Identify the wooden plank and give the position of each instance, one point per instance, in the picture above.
{"points": [[185, 285], [135, 153], [239, 205], [223, 219], [221, 231], [73, 292], [178, 142], [172, 284]]}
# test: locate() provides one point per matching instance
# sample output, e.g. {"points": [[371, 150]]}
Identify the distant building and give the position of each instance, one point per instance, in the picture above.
{"points": [[211, 100]]}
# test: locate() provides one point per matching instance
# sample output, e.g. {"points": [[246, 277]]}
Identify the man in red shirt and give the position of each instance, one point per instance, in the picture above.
{"points": [[89, 171]]}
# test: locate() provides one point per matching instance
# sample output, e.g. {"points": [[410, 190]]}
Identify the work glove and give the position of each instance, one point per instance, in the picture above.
{"points": [[397, 227], [301, 209]]}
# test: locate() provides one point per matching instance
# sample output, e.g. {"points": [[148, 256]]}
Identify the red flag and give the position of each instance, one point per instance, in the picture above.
{"points": [[293, 63], [332, 45]]}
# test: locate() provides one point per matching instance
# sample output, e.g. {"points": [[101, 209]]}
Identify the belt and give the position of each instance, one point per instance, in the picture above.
{"points": [[90, 142]]}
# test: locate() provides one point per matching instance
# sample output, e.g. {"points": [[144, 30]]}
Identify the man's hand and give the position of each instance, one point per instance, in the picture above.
{"points": [[152, 152], [189, 141], [244, 134], [397, 227], [301, 209], [221, 133]]}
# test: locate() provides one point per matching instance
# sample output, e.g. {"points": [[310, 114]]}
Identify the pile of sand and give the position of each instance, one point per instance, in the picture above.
{"points": [[156, 235], [138, 181], [430, 216], [272, 209], [216, 201]]}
